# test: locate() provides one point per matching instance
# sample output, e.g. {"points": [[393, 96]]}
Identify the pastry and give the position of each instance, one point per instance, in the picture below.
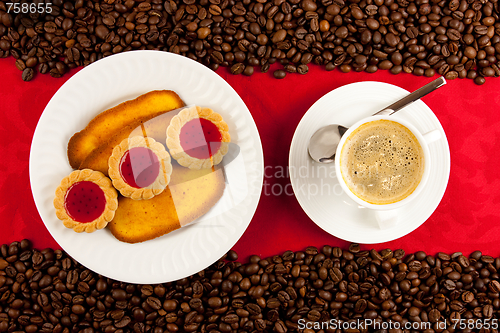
{"points": [[189, 194], [140, 168], [85, 201], [198, 138], [154, 127], [113, 120], [186, 198]]}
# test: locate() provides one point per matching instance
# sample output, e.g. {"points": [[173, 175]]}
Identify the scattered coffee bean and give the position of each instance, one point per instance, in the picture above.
{"points": [[354, 36], [479, 80], [20, 65], [57, 294], [279, 74], [28, 74], [237, 68], [248, 71]]}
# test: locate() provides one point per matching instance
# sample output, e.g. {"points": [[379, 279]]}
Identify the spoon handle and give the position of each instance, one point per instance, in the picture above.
{"points": [[417, 94]]}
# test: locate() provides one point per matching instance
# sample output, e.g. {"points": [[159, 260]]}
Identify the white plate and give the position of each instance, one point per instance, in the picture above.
{"points": [[317, 188], [107, 83]]}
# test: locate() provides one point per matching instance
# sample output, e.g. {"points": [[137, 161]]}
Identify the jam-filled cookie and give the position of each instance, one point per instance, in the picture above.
{"points": [[140, 168], [198, 138], [85, 201]]}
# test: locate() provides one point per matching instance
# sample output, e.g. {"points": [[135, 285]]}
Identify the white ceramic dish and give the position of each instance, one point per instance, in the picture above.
{"points": [[107, 83], [316, 186]]}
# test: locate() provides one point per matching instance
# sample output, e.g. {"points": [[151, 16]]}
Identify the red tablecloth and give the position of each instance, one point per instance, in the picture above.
{"points": [[467, 219]]}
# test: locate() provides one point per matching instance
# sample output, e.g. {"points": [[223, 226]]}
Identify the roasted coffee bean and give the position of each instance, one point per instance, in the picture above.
{"points": [[279, 74], [28, 74], [217, 57], [259, 324], [20, 64], [351, 283], [330, 66], [335, 274], [451, 75], [354, 248], [302, 69], [290, 68], [253, 309], [154, 303], [330, 33], [123, 322], [237, 68], [230, 318], [248, 70]]}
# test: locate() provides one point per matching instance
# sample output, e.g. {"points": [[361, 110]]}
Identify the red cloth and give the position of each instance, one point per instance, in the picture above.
{"points": [[467, 219]]}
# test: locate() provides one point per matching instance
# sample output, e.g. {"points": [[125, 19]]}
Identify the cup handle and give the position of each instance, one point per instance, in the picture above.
{"points": [[386, 218], [432, 136]]}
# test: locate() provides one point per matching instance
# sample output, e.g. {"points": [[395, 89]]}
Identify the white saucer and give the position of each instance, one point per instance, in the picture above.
{"points": [[317, 188]]}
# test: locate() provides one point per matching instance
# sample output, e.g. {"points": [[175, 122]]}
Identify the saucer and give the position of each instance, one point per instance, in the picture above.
{"points": [[316, 186]]}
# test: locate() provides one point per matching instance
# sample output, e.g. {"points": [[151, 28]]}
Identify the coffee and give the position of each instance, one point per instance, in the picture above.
{"points": [[382, 162]]}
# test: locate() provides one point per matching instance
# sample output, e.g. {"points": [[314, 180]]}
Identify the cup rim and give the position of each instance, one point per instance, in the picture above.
{"points": [[423, 180]]}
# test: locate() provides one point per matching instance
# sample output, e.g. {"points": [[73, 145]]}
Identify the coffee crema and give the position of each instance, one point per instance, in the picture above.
{"points": [[382, 162]]}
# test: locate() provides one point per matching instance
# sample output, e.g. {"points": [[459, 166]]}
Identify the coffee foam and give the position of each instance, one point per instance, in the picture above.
{"points": [[382, 162]]}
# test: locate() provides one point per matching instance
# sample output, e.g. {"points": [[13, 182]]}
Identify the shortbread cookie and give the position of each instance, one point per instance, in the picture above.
{"points": [[85, 201], [198, 138], [140, 168]]}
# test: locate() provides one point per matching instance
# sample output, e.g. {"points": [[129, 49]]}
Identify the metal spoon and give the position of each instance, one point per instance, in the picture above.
{"points": [[323, 143]]}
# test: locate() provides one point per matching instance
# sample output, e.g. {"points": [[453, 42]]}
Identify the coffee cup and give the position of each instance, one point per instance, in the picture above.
{"points": [[383, 163]]}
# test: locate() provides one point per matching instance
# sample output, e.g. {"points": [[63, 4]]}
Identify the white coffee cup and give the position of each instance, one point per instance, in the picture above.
{"points": [[386, 214]]}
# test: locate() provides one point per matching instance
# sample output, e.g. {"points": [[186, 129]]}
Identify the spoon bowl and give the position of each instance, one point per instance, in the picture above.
{"points": [[323, 143], [326, 140]]}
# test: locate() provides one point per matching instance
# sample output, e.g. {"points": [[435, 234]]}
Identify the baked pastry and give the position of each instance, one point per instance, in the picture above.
{"points": [[198, 138], [140, 168], [85, 201], [111, 121], [155, 127], [190, 194]]}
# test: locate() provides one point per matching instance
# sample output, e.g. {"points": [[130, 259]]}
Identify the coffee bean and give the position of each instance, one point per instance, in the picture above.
{"points": [[219, 33], [335, 274], [154, 303], [20, 64], [28, 74], [355, 248], [302, 69], [237, 68], [453, 34], [230, 318], [248, 70], [451, 75], [443, 70], [290, 68], [55, 73], [310, 280], [123, 322], [279, 36], [279, 74]]}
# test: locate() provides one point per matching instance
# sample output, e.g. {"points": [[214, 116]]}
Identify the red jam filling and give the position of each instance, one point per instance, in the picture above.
{"points": [[200, 138], [84, 201], [139, 167]]}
